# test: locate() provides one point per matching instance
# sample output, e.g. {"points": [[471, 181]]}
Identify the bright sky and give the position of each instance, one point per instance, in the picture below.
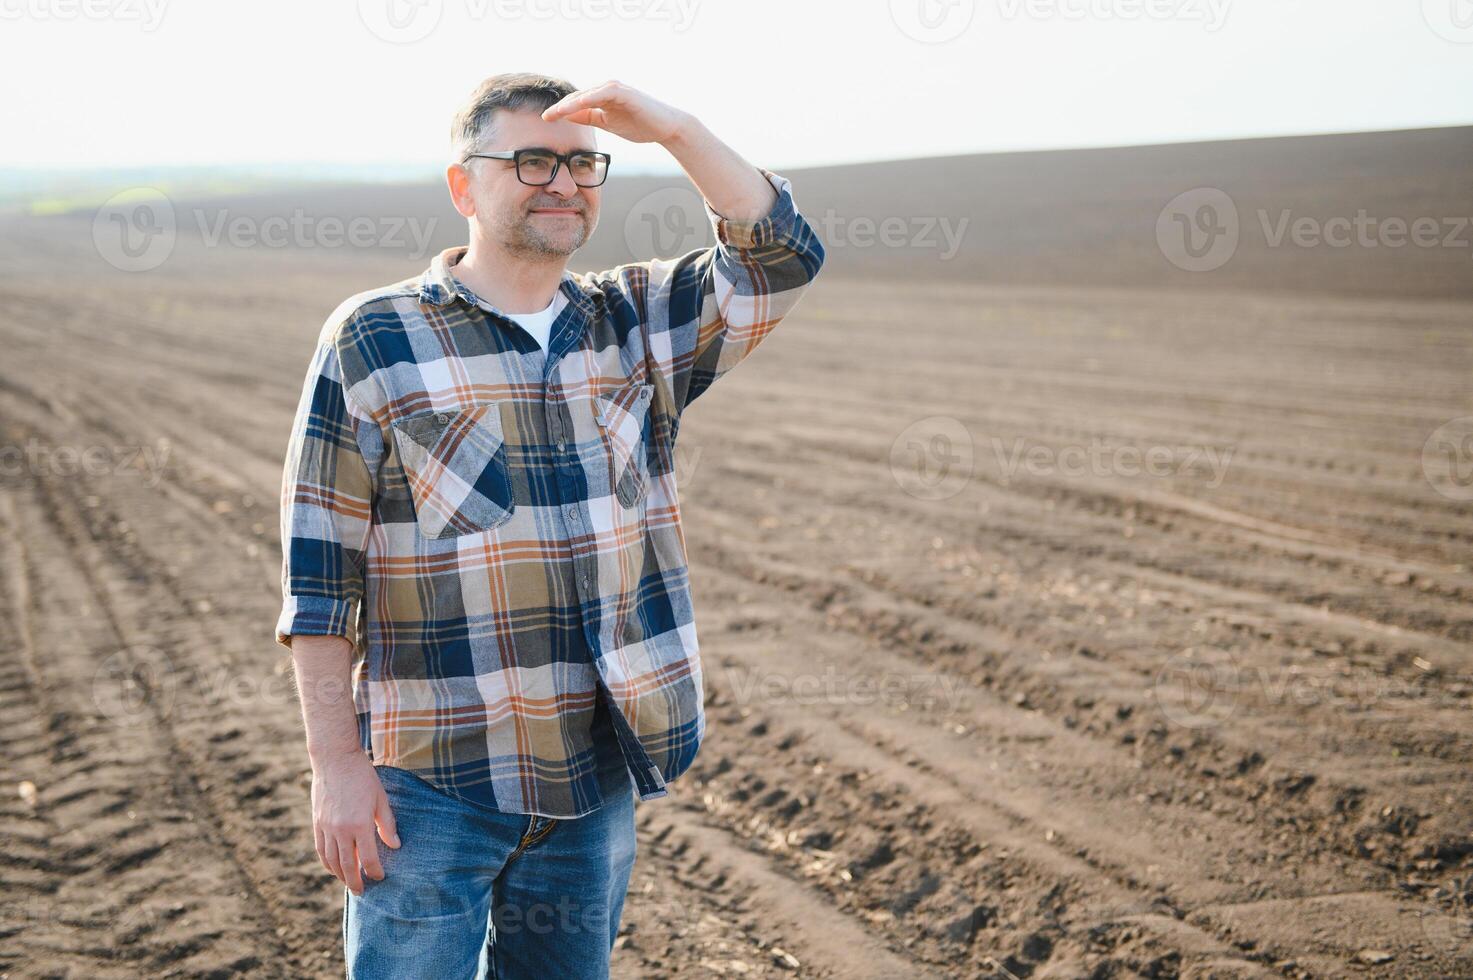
{"points": [[787, 82]]}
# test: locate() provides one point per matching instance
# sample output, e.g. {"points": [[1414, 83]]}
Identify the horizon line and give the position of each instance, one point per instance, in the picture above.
{"points": [[647, 169]]}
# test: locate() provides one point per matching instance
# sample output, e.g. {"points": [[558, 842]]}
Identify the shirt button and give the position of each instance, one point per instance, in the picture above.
{"points": [[442, 418]]}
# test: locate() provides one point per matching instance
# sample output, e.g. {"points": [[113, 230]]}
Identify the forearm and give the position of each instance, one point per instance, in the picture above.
{"points": [[324, 685], [348, 800], [735, 189]]}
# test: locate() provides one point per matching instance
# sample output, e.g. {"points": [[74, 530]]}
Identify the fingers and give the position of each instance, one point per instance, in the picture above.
{"points": [[383, 815], [569, 107], [321, 845], [334, 858], [367, 851], [348, 862], [339, 851], [610, 91], [587, 117], [367, 847]]}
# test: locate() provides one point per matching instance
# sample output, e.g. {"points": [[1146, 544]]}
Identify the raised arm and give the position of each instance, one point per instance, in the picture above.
{"points": [[708, 309]]}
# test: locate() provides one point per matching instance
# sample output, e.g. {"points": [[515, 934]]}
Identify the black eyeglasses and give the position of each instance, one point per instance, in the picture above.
{"points": [[538, 166]]}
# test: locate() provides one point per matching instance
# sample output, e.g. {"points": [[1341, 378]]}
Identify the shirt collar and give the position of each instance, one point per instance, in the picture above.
{"points": [[439, 288]]}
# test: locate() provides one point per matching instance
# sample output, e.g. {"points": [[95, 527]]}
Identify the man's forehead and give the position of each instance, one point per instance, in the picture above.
{"points": [[517, 129]]}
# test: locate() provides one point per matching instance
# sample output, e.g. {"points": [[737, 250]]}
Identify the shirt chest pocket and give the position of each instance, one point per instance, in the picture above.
{"points": [[456, 464], [622, 418]]}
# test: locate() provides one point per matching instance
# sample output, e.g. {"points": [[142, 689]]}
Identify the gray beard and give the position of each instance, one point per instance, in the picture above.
{"points": [[524, 238]]}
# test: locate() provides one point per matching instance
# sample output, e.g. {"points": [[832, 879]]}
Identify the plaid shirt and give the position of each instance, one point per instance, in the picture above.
{"points": [[497, 528]]}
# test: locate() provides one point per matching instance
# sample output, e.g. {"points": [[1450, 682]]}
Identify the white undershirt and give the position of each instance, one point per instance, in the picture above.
{"points": [[539, 325]]}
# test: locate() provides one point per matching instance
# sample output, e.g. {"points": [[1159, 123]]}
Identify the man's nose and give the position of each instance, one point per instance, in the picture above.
{"points": [[562, 183]]}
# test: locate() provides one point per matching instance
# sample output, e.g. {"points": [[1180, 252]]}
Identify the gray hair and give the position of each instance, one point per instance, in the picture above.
{"points": [[474, 125]]}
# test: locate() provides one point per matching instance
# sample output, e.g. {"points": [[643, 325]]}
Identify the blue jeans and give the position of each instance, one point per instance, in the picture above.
{"points": [[495, 896]]}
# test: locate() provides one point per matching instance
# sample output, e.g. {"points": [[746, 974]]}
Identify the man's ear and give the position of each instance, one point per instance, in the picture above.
{"points": [[458, 180]]}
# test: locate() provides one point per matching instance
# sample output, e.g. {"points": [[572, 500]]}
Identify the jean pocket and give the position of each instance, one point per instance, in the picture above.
{"points": [[456, 464], [622, 417]]}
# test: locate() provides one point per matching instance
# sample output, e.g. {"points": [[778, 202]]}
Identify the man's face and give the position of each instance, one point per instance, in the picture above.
{"points": [[551, 220]]}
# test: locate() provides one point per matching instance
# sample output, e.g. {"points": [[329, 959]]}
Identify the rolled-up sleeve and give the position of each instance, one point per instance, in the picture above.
{"points": [[326, 507], [708, 309]]}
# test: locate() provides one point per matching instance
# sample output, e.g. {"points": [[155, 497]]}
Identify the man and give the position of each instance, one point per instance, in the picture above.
{"points": [[481, 540]]}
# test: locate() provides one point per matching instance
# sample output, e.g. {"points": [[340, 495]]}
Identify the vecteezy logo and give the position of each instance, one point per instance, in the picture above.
{"points": [[131, 688], [1198, 230], [1450, 931], [1447, 459], [1451, 19], [400, 21], [1448, 921], [134, 230], [933, 458], [666, 223], [1193, 693], [932, 21]]}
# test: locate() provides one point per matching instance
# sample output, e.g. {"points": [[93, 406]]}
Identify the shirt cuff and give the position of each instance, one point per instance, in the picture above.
{"points": [[310, 615], [765, 230]]}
